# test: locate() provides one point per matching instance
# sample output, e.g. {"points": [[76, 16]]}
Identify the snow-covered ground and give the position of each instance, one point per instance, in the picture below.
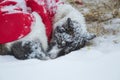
{"points": [[100, 61]]}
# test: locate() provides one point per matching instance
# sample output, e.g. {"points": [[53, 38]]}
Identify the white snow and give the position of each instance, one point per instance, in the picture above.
{"points": [[100, 61], [10, 9]]}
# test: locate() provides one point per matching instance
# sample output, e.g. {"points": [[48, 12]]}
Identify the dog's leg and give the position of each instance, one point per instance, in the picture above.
{"points": [[30, 49]]}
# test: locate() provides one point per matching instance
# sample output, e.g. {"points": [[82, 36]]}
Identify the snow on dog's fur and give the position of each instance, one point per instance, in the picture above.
{"points": [[70, 31], [35, 44]]}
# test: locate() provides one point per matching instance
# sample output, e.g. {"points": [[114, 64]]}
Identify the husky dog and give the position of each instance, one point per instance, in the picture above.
{"points": [[69, 34]]}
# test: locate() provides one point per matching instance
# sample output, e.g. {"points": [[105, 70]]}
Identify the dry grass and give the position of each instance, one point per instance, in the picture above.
{"points": [[98, 14], [99, 9], [99, 29]]}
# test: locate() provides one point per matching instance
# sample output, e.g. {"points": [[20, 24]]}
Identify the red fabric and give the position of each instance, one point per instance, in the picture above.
{"points": [[14, 26], [41, 10], [7, 3], [45, 11], [17, 25]]}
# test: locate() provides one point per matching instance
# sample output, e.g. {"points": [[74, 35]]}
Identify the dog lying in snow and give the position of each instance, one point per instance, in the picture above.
{"points": [[69, 32], [68, 37]]}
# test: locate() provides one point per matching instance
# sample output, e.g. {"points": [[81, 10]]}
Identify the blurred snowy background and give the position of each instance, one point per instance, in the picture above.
{"points": [[99, 60]]}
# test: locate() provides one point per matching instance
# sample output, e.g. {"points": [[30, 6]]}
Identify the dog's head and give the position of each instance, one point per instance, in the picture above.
{"points": [[70, 36], [71, 32]]}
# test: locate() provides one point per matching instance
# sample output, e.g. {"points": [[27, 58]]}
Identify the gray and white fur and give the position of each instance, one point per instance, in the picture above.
{"points": [[69, 34]]}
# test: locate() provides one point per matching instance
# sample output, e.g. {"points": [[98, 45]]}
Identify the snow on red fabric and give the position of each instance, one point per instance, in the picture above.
{"points": [[13, 22], [16, 21]]}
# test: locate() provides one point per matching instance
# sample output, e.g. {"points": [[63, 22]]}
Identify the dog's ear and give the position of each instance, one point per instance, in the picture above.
{"points": [[69, 26], [69, 22]]}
